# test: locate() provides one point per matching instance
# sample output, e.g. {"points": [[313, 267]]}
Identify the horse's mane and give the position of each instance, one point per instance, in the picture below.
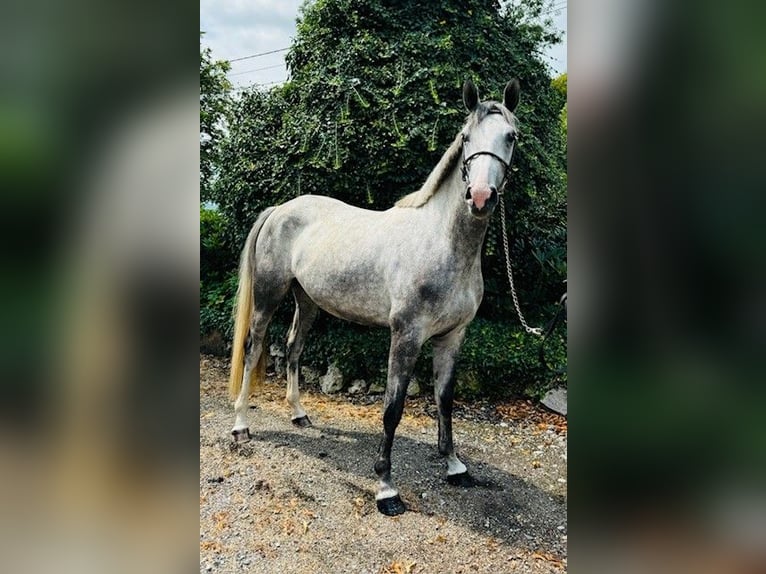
{"points": [[450, 158], [437, 176]]}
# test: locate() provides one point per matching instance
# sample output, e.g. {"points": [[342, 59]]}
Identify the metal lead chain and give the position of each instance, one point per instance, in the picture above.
{"points": [[532, 330]]}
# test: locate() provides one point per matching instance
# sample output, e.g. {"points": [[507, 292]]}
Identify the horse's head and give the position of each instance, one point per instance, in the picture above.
{"points": [[489, 138]]}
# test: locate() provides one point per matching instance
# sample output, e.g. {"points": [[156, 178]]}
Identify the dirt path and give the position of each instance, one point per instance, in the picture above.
{"points": [[302, 500]]}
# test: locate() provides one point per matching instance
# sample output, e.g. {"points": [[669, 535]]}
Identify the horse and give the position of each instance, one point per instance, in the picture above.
{"points": [[414, 269]]}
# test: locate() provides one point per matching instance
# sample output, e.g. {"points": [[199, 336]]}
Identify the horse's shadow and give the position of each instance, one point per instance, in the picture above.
{"points": [[502, 506]]}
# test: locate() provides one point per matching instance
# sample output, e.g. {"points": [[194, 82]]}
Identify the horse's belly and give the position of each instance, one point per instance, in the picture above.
{"points": [[346, 297], [361, 317]]}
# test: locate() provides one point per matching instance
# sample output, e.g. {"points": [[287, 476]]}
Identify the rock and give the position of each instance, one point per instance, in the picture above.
{"points": [[276, 351], [377, 388], [357, 387], [332, 382], [413, 390], [277, 355], [310, 376], [556, 400]]}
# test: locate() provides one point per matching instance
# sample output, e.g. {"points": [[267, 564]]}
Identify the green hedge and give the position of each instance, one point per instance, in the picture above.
{"points": [[218, 275], [500, 359]]}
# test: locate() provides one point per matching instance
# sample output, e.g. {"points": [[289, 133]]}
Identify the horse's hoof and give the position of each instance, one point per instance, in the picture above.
{"points": [[391, 506], [241, 436], [462, 479], [302, 422]]}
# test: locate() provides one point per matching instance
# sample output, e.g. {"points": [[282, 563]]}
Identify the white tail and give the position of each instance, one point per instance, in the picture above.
{"points": [[243, 310]]}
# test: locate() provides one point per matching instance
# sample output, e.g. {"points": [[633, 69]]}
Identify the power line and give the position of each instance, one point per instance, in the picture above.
{"points": [[556, 8], [260, 54], [249, 86], [258, 69], [556, 5]]}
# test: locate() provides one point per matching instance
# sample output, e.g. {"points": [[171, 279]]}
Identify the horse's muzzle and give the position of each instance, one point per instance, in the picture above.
{"points": [[481, 199]]}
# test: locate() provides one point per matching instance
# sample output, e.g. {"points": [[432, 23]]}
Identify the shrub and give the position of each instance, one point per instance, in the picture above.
{"points": [[218, 276], [496, 360], [216, 303]]}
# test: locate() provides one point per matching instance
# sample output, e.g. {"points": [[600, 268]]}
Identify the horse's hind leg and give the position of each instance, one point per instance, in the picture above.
{"points": [[253, 352], [445, 353], [305, 313], [267, 300]]}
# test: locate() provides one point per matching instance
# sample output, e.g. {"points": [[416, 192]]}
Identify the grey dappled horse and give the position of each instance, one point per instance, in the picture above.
{"points": [[414, 268]]}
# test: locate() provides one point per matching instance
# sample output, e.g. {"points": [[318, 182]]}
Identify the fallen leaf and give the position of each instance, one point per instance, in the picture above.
{"points": [[212, 545], [398, 568]]}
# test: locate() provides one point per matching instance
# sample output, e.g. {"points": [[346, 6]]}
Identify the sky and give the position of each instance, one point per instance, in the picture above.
{"points": [[240, 28]]}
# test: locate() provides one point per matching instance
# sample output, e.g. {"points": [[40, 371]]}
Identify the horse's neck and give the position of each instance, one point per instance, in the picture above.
{"points": [[465, 231]]}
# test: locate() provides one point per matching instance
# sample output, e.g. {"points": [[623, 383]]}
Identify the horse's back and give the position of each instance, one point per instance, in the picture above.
{"points": [[323, 224], [366, 266], [336, 252]]}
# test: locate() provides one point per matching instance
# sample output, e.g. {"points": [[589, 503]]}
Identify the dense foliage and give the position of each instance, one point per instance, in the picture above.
{"points": [[214, 91], [218, 275], [373, 101]]}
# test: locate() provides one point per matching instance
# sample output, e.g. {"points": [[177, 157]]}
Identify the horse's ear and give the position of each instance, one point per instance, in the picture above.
{"points": [[470, 95], [511, 94]]}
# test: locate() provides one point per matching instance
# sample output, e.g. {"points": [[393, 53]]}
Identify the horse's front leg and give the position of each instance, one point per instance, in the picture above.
{"points": [[446, 349], [405, 348]]}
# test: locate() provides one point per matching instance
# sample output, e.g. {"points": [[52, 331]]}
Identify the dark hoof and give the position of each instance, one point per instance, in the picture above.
{"points": [[241, 436], [391, 506], [463, 479], [302, 422]]}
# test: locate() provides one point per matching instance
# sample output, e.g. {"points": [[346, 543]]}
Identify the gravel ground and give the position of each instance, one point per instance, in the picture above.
{"points": [[303, 500]]}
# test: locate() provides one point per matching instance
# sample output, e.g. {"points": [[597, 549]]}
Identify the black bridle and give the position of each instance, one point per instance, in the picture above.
{"points": [[505, 164]]}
